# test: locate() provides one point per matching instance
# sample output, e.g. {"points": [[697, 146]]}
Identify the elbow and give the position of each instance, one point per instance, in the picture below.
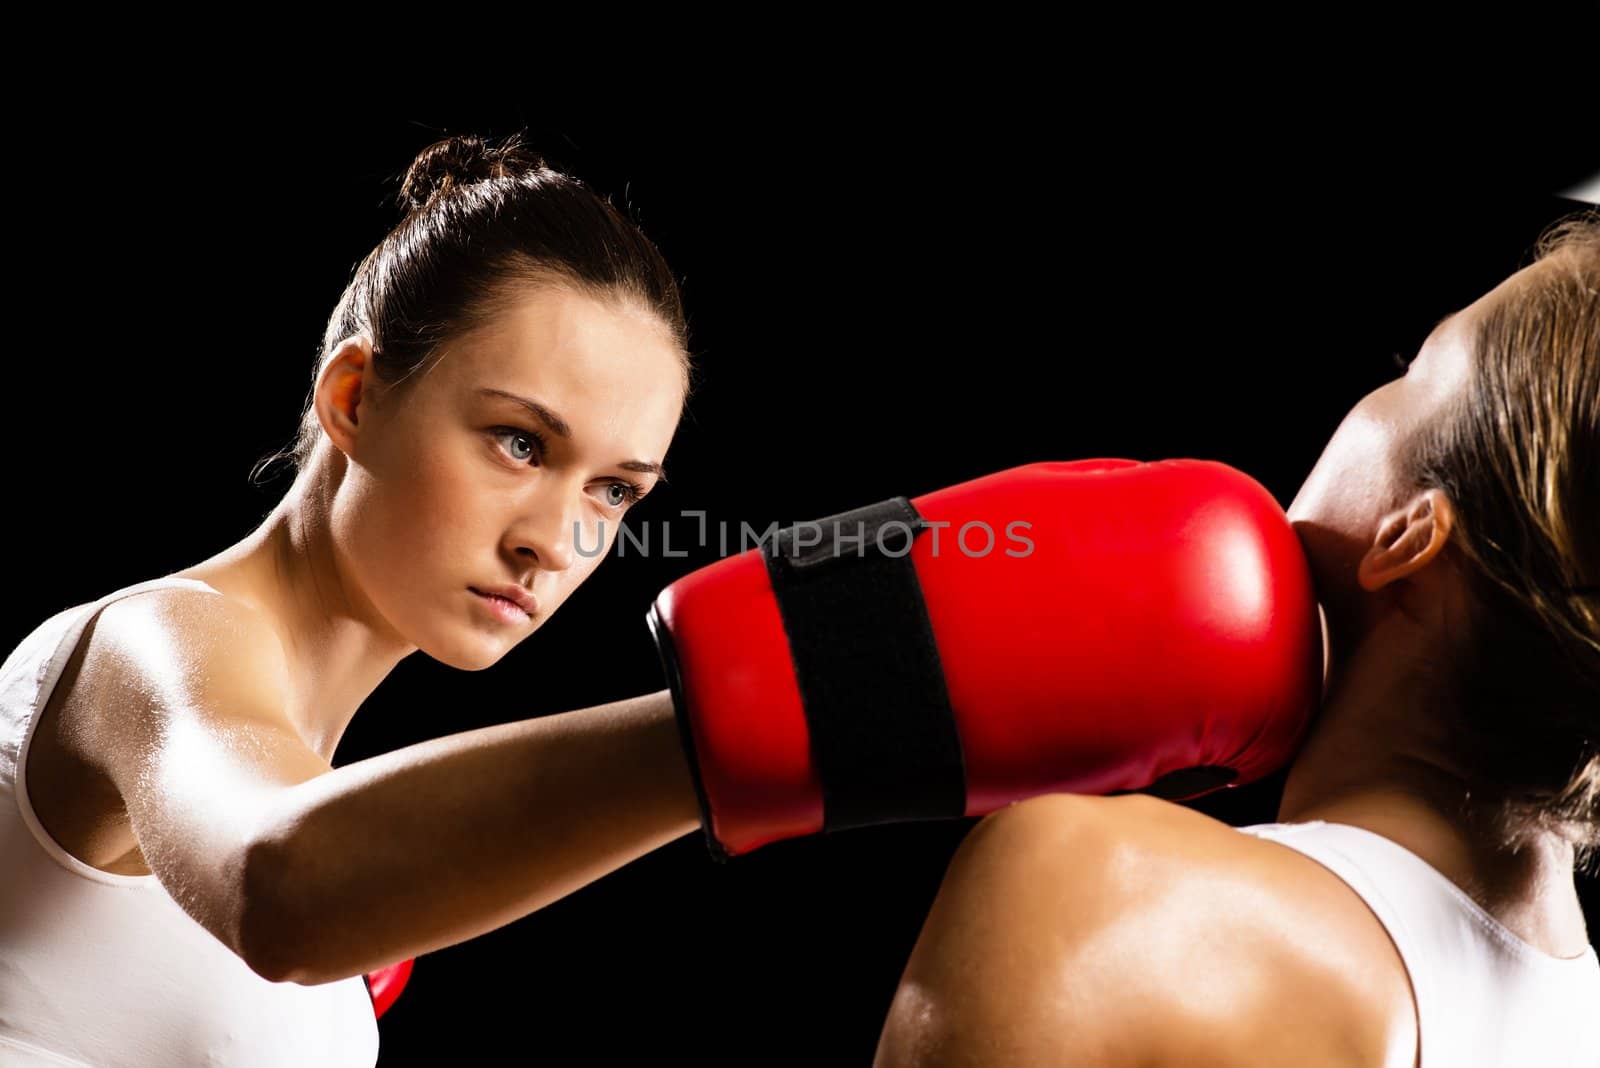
{"points": [[270, 939]]}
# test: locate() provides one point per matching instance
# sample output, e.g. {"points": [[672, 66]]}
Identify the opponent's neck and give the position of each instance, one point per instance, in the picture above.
{"points": [[1375, 760]]}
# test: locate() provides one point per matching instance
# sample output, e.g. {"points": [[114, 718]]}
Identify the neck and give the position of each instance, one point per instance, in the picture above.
{"points": [[1375, 760], [338, 648]]}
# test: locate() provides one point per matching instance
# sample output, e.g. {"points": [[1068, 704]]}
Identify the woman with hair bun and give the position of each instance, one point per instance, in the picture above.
{"points": [[165, 742]]}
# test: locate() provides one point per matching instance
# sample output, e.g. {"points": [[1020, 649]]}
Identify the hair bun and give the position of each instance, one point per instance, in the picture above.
{"points": [[460, 160]]}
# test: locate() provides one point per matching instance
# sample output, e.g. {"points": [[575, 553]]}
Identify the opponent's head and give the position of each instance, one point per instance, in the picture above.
{"points": [[1465, 497], [498, 384]]}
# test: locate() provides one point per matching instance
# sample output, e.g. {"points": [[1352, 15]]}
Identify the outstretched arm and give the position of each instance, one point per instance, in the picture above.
{"points": [[312, 874]]}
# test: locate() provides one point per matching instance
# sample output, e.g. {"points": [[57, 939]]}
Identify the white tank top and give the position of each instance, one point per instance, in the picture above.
{"points": [[108, 970], [1485, 998]]}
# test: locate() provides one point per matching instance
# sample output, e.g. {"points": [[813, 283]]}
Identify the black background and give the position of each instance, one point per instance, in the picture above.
{"points": [[881, 304]]}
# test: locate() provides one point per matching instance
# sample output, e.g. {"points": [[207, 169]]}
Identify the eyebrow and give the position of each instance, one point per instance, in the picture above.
{"points": [[561, 428]]}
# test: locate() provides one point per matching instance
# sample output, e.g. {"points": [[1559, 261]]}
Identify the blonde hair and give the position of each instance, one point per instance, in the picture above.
{"points": [[1519, 457]]}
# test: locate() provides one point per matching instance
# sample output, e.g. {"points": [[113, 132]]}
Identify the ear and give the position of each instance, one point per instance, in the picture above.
{"points": [[340, 387], [1408, 540]]}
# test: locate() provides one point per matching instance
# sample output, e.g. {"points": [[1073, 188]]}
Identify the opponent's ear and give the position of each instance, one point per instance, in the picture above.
{"points": [[1408, 539], [339, 390]]}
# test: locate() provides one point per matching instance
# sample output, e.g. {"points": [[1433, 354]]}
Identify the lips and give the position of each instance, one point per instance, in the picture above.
{"points": [[515, 594]]}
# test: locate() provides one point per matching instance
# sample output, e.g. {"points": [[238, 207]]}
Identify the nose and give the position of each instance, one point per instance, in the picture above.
{"points": [[544, 529]]}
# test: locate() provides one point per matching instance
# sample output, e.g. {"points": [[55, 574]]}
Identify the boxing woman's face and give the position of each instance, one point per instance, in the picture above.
{"points": [[510, 460], [1356, 483]]}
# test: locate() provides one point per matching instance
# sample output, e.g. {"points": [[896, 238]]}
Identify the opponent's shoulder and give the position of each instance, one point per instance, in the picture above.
{"points": [[1240, 943]]}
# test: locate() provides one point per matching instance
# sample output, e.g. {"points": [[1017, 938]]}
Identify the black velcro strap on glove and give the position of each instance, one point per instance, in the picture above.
{"points": [[883, 735]]}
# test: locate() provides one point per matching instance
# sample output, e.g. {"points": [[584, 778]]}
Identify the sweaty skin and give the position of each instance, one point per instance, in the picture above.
{"points": [[1288, 948], [193, 735]]}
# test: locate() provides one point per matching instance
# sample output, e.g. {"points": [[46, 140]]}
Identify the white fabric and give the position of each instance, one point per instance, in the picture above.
{"points": [[108, 970], [1484, 996]]}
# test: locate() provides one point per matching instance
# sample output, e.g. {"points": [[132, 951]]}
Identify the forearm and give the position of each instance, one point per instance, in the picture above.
{"points": [[439, 842]]}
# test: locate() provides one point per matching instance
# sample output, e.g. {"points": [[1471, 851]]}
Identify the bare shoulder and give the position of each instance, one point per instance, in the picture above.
{"points": [[178, 650], [1258, 926], [1155, 920], [143, 662]]}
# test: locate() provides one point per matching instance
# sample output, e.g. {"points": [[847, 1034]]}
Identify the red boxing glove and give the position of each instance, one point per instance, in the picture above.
{"points": [[1100, 626], [385, 984]]}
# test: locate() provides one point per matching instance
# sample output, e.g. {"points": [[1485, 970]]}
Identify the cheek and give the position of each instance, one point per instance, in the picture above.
{"points": [[1341, 504], [1317, 500], [1351, 481], [590, 550], [429, 503]]}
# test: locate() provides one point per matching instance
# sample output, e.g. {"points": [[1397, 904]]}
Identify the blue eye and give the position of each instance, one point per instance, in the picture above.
{"points": [[632, 492], [500, 432]]}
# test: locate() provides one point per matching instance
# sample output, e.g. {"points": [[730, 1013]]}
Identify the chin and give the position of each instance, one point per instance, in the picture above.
{"points": [[469, 656]]}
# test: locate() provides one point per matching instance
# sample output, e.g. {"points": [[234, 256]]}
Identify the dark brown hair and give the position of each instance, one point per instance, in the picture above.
{"points": [[483, 223], [1519, 457]]}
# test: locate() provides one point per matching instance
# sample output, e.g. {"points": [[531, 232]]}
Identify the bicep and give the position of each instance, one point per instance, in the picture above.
{"points": [[190, 724]]}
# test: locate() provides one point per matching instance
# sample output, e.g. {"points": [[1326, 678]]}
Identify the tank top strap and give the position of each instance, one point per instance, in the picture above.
{"points": [[1484, 996], [41, 659], [68, 641], [89, 610], [50, 644]]}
